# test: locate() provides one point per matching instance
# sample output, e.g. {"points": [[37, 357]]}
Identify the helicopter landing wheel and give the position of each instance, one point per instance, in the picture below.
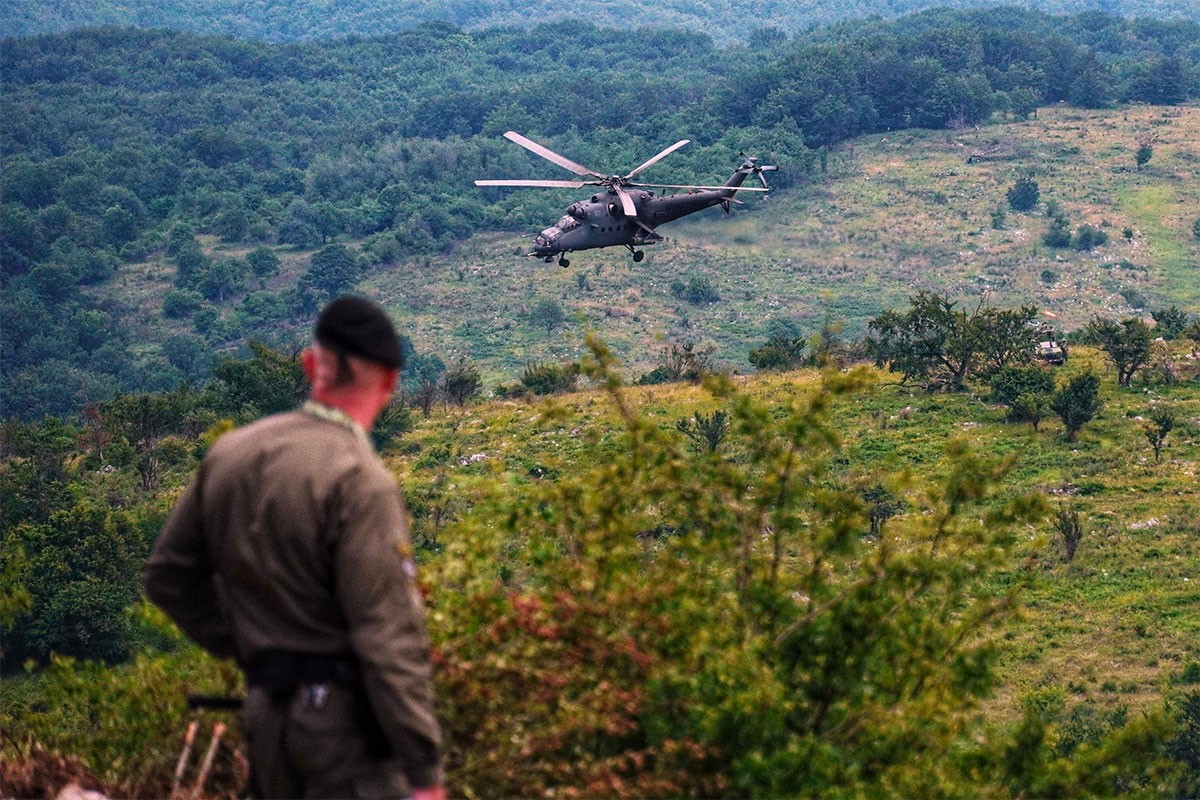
{"points": [[563, 262], [638, 255]]}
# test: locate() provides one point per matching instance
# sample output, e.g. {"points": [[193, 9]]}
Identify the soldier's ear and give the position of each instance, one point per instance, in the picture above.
{"points": [[308, 362], [393, 377]]}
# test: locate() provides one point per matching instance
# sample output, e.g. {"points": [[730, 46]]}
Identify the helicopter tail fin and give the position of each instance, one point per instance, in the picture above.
{"points": [[750, 166]]}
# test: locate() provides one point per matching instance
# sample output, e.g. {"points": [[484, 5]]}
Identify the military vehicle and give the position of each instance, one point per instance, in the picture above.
{"points": [[624, 213]]}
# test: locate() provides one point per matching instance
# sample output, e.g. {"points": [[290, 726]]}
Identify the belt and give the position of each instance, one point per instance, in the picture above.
{"points": [[277, 670]]}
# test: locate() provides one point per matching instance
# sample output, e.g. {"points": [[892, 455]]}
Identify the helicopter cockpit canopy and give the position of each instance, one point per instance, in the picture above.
{"points": [[551, 234]]}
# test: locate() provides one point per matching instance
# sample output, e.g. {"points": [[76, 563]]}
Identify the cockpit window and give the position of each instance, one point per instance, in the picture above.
{"points": [[567, 223]]}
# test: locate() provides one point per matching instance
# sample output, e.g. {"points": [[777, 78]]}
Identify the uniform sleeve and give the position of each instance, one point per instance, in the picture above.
{"points": [[375, 584], [179, 576]]}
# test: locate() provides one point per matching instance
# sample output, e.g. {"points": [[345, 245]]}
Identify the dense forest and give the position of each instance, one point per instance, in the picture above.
{"points": [[126, 147], [726, 22]]}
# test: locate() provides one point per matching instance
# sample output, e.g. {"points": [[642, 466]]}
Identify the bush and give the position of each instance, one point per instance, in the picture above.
{"points": [[181, 303], [1024, 194], [461, 383], [779, 354], [697, 290], [1089, 238], [1009, 383], [547, 314], [1059, 232], [542, 379], [1077, 402], [679, 362], [645, 626], [1170, 323], [124, 724]]}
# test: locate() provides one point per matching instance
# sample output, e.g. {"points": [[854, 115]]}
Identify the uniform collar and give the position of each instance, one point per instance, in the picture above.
{"points": [[338, 417]]}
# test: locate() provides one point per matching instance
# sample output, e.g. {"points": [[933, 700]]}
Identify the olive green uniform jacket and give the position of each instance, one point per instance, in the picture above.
{"points": [[293, 536]]}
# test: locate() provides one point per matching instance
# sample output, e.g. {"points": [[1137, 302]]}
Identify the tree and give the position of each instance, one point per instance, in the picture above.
{"points": [[393, 421], [1170, 323], [332, 270], [1005, 336], [1058, 234], [1143, 155], [1127, 344], [461, 382], [263, 262], [547, 314], [268, 382], [1077, 402], [1161, 422], [1031, 407], [422, 380], [940, 344], [1026, 390], [81, 573]]}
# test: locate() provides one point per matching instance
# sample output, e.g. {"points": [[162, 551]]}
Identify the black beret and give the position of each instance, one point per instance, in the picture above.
{"points": [[359, 327]]}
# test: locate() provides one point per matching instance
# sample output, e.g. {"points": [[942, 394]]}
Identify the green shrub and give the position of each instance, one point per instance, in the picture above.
{"points": [[1024, 194], [762, 648], [1010, 382], [125, 724], [542, 379], [697, 290], [1077, 402], [779, 354]]}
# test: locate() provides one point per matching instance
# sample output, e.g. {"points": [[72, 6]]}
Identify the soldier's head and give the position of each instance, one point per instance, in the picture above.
{"points": [[355, 357]]}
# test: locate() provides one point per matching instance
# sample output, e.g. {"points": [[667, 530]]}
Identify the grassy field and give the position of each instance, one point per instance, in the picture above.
{"points": [[893, 214], [1115, 626]]}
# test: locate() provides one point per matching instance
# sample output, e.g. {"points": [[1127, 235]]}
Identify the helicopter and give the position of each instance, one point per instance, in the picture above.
{"points": [[625, 213]]}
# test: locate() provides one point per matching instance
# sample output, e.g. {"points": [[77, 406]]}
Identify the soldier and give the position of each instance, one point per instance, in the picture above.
{"points": [[289, 552]]}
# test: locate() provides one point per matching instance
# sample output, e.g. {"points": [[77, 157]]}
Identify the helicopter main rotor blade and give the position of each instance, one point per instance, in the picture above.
{"points": [[534, 183], [659, 157], [692, 186], [627, 206], [550, 155]]}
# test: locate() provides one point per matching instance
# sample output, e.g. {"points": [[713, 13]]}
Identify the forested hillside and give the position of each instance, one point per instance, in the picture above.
{"points": [[733, 21], [680, 536], [167, 197]]}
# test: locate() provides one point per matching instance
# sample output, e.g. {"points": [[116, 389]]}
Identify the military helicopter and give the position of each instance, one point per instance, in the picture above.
{"points": [[625, 213]]}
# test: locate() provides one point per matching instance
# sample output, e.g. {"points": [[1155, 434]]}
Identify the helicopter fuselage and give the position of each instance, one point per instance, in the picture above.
{"points": [[601, 221]]}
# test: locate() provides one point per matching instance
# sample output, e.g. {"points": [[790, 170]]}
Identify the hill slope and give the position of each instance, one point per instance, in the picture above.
{"points": [[893, 214]]}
